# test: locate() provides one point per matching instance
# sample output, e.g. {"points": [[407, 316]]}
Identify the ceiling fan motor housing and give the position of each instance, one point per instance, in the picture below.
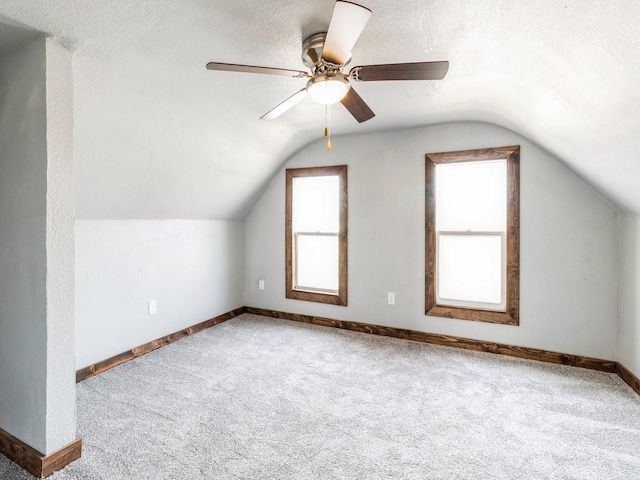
{"points": [[312, 53]]}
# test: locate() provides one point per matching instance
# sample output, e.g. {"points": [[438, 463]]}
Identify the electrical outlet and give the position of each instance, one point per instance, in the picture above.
{"points": [[261, 284], [153, 307], [391, 298]]}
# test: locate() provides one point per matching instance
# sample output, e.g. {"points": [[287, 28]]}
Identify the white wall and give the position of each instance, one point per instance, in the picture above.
{"points": [[37, 388], [61, 385], [568, 242], [192, 268], [629, 299], [23, 184]]}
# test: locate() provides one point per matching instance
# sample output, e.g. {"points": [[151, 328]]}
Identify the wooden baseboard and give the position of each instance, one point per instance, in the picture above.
{"points": [[136, 352], [609, 366], [34, 462], [448, 341], [629, 378]]}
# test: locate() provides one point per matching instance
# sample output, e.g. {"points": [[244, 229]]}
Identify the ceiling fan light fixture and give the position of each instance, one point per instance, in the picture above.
{"points": [[327, 90], [326, 54]]}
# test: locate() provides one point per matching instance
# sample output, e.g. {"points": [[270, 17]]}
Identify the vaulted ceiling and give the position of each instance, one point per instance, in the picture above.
{"points": [[159, 136]]}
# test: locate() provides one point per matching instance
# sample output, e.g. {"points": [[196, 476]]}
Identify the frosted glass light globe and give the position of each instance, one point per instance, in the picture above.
{"points": [[327, 90]]}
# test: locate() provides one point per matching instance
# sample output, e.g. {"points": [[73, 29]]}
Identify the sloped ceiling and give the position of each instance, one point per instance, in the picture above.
{"points": [[159, 136]]}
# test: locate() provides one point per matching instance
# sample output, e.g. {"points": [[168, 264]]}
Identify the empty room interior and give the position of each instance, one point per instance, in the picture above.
{"points": [[302, 239]]}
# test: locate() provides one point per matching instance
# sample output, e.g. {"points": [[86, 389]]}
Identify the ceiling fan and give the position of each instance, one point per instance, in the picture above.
{"points": [[326, 54]]}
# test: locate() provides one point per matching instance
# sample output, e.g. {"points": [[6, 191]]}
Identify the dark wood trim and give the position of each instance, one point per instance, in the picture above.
{"points": [[13, 449], [471, 314], [289, 253], [343, 244], [136, 352], [34, 462], [429, 234], [447, 340], [63, 457], [629, 378], [512, 314], [513, 235]]}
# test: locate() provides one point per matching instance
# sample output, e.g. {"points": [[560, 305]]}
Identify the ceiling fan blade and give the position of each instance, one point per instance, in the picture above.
{"points": [[232, 67], [347, 22], [286, 105], [400, 71], [357, 106]]}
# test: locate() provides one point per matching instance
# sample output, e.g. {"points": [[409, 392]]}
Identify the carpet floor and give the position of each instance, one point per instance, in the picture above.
{"points": [[259, 398]]}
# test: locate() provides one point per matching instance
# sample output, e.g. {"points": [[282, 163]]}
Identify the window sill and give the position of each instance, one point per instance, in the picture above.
{"points": [[489, 316], [309, 296]]}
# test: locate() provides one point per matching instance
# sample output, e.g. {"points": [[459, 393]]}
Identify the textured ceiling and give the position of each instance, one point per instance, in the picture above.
{"points": [[159, 136]]}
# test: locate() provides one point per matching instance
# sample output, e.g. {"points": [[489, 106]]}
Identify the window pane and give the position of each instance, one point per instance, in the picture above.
{"points": [[317, 262], [470, 268], [316, 204], [471, 196]]}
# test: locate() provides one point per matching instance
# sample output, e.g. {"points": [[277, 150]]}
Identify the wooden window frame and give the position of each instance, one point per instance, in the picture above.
{"points": [[339, 298], [511, 314]]}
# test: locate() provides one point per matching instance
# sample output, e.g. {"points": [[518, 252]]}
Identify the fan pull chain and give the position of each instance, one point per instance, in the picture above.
{"points": [[327, 120]]}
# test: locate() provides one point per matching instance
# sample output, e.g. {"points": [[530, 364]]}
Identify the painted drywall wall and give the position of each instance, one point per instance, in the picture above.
{"points": [[23, 186], [60, 280], [568, 242], [37, 363], [192, 268], [14, 35], [629, 300]]}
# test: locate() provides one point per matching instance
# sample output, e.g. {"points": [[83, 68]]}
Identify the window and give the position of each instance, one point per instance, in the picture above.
{"points": [[472, 233], [316, 234]]}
